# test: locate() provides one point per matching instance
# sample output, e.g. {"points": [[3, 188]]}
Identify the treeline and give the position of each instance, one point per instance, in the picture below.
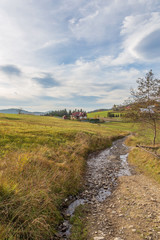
{"points": [[111, 114], [61, 113]]}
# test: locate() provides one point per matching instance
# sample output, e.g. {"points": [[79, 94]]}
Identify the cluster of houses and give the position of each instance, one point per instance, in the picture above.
{"points": [[77, 116]]}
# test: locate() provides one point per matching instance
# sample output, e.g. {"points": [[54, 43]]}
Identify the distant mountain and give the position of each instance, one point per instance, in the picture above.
{"points": [[16, 111], [99, 110]]}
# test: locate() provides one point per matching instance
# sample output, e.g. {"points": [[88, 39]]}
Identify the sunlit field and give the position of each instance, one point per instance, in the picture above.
{"points": [[103, 114], [96, 114], [144, 160], [42, 162]]}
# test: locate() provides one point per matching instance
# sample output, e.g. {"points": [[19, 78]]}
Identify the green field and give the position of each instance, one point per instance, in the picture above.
{"points": [[103, 114], [43, 160]]}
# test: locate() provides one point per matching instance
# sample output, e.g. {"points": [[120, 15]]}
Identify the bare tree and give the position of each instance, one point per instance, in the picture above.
{"points": [[144, 103], [19, 110]]}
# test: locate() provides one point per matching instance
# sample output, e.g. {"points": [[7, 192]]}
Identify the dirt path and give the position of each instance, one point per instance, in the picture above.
{"points": [[122, 205], [131, 213]]}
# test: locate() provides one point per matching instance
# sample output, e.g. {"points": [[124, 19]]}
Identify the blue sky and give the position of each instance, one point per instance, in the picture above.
{"points": [[58, 54]]}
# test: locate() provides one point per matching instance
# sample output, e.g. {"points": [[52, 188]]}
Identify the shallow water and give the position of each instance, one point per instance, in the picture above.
{"points": [[124, 170], [70, 210], [101, 177]]}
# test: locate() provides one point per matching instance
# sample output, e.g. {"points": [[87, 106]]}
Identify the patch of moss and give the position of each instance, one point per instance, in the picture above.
{"points": [[79, 230]]}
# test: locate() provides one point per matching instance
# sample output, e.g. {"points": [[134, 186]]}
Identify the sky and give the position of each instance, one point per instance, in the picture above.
{"points": [[57, 54]]}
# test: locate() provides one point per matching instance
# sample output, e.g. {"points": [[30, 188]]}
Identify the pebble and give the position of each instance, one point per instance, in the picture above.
{"points": [[153, 200], [131, 226], [98, 238], [120, 215], [118, 238]]}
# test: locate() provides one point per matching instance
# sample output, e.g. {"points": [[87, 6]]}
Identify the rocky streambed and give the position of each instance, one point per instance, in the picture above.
{"points": [[102, 173]]}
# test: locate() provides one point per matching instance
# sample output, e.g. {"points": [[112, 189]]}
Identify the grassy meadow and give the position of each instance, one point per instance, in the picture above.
{"points": [[42, 161], [102, 114], [143, 160], [96, 114]]}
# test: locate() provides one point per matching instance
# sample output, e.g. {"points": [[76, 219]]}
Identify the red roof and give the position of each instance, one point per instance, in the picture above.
{"points": [[78, 114]]}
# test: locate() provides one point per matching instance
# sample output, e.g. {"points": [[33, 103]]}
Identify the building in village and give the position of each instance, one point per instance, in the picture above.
{"points": [[78, 116], [65, 117]]}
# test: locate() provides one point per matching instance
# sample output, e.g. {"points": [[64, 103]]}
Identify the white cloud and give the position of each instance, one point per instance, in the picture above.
{"points": [[82, 78], [96, 22], [134, 30], [97, 40]]}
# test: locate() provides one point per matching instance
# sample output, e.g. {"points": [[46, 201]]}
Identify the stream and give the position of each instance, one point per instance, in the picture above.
{"points": [[103, 170]]}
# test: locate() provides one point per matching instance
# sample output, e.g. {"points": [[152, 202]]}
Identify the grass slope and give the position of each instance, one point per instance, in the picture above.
{"points": [[96, 114], [145, 161], [103, 114], [42, 160]]}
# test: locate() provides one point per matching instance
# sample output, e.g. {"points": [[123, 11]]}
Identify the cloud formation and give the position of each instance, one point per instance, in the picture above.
{"points": [[10, 70], [46, 81], [149, 47], [70, 53]]}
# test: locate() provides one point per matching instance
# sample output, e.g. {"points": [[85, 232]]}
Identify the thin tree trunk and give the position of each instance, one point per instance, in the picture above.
{"points": [[155, 132]]}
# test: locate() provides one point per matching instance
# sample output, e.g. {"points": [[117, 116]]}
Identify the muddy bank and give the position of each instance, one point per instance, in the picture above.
{"points": [[102, 173]]}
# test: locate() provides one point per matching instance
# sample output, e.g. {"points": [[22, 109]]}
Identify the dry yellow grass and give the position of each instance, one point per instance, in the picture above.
{"points": [[42, 161], [146, 162]]}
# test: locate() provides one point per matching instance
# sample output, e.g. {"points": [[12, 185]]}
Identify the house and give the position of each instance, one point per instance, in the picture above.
{"points": [[78, 116], [64, 117]]}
